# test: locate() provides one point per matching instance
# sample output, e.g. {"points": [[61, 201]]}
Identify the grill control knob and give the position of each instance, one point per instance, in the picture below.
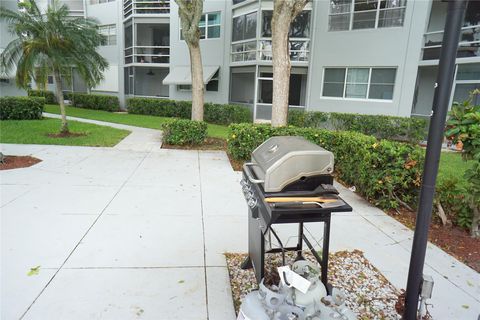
{"points": [[252, 202]]}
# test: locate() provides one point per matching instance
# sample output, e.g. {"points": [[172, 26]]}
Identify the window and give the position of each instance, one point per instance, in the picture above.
{"points": [[50, 79], [100, 1], [212, 85], [6, 81], [209, 26], [300, 27], [366, 14], [244, 27], [184, 87], [110, 33], [468, 79], [359, 83]]}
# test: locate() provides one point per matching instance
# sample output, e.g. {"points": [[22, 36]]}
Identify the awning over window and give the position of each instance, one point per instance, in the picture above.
{"points": [[181, 75]]}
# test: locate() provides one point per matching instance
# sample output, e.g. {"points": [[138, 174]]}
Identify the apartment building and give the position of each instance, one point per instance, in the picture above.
{"points": [[360, 56]]}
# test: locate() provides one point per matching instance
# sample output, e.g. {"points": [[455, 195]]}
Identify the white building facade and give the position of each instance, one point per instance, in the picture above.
{"points": [[356, 56]]}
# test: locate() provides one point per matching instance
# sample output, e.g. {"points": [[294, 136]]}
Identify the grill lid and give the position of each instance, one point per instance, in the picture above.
{"points": [[285, 159]]}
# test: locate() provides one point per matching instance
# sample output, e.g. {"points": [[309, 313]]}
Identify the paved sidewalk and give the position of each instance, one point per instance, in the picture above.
{"points": [[122, 234], [141, 139]]}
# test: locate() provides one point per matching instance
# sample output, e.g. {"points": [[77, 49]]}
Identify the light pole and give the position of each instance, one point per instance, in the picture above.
{"points": [[443, 88]]}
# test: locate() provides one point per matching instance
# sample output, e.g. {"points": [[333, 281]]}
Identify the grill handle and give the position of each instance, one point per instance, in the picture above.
{"points": [[246, 169]]}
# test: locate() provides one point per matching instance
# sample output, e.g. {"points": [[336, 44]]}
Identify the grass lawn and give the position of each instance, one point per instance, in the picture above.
{"points": [[152, 122], [452, 166], [36, 132]]}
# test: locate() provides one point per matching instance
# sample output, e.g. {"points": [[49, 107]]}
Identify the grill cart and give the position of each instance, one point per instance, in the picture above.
{"points": [[289, 180]]}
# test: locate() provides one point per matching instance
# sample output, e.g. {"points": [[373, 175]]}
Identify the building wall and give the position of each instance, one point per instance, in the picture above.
{"points": [[107, 14], [215, 52], [397, 47], [8, 89]]}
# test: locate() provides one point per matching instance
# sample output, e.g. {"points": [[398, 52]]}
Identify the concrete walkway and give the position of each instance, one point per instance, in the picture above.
{"points": [[123, 234], [141, 139]]}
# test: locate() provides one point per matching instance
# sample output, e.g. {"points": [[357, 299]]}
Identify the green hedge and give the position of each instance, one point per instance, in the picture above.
{"points": [[21, 108], [382, 127], [48, 95], [213, 113], [94, 101], [184, 132], [159, 107]]}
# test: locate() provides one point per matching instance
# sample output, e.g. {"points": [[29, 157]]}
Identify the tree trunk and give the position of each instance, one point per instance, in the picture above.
{"points": [[284, 12], [475, 228], [58, 88], [198, 86]]}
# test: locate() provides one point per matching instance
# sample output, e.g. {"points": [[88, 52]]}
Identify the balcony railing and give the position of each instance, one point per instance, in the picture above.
{"points": [[261, 50], [468, 46], [147, 54], [145, 7]]}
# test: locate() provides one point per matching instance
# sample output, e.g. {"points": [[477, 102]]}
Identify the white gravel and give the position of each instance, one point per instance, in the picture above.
{"points": [[369, 294]]}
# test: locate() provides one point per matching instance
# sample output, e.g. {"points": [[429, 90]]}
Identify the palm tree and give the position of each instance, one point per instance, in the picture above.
{"points": [[51, 43]]}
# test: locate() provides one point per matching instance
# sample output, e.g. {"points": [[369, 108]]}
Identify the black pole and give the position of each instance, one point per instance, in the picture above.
{"points": [[441, 99]]}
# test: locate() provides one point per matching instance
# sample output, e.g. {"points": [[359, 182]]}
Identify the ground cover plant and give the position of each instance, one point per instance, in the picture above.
{"points": [[139, 120], [46, 132]]}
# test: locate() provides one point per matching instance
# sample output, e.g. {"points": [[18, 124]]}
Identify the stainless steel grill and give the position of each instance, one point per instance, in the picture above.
{"points": [[280, 161]]}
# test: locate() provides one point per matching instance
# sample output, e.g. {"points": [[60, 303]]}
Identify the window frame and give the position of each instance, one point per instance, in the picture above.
{"points": [[206, 26], [108, 34], [94, 2], [377, 11], [370, 69]]}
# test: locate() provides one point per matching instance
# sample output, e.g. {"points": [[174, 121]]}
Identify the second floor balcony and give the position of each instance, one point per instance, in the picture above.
{"points": [[147, 54], [261, 50], [468, 46], [145, 7]]}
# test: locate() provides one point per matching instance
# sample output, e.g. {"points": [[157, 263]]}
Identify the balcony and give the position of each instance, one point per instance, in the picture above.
{"points": [[261, 50], [468, 46], [145, 7], [147, 54]]}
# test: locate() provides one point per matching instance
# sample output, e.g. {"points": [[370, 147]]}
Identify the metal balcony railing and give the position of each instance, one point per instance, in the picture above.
{"points": [[147, 54], [139, 7], [261, 50], [468, 46]]}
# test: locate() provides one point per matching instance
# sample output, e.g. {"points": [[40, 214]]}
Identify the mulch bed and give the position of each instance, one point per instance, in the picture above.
{"points": [[454, 240], [368, 292], [66, 135], [14, 162]]}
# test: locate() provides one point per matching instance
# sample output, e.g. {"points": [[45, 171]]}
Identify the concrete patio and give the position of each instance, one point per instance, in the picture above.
{"points": [[125, 234]]}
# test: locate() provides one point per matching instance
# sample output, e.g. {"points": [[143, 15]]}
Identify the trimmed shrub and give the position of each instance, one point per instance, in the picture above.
{"points": [[48, 95], [213, 113], [385, 172], [381, 127], [184, 132], [158, 107], [94, 101], [21, 108], [226, 113]]}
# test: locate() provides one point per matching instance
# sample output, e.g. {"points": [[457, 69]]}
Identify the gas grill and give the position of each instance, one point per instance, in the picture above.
{"points": [[289, 180]]}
